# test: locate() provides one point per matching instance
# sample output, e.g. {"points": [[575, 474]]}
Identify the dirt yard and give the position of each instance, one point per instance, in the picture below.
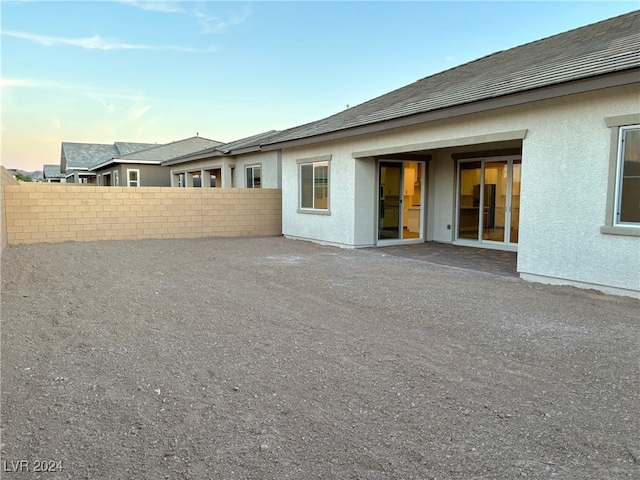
{"points": [[267, 358]]}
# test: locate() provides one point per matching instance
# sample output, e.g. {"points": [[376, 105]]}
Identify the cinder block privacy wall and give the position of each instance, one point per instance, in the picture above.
{"points": [[67, 212], [5, 179]]}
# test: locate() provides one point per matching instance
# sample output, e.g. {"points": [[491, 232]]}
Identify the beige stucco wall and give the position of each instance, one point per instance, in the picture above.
{"points": [[270, 163], [150, 175], [5, 179], [58, 212], [565, 178]]}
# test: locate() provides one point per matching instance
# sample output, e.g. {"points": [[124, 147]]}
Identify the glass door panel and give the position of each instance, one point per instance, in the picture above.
{"points": [[515, 201], [412, 201], [489, 200], [469, 200], [390, 213], [494, 201]]}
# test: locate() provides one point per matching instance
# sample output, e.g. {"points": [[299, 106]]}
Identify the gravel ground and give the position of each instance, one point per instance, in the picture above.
{"points": [[266, 358]]}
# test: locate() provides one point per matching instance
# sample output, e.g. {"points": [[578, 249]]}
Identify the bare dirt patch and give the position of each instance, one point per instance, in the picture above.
{"points": [[267, 358]]}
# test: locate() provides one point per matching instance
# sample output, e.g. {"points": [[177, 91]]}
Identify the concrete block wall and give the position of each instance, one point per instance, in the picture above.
{"points": [[63, 212], [5, 179]]}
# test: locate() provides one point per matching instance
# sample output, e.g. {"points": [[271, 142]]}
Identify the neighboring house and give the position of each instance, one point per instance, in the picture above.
{"points": [[238, 164], [534, 149], [52, 174], [77, 158], [144, 168]]}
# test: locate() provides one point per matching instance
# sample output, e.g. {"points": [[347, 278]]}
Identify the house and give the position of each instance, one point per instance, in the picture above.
{"points": [[52, 174], [77, 158], [143, 168], [533, 149], [238, 164]]}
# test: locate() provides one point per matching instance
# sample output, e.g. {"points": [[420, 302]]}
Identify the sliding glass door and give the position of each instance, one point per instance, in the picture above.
{"points": [[400, 204], [390, 217], [488, 201]]}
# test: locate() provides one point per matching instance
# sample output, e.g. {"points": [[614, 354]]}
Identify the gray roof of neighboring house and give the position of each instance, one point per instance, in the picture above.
{"points": [[224, 148], [247, 142], [171, 150], [52, 171], [127, 148], [86, 155], [602, 48]]}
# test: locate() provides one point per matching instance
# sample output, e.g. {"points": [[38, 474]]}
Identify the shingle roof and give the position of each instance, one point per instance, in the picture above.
{"points": [[247, 142], [52, 171], [223, 148], [126, 148], [171, 150], [86, 155], [605, 47]]}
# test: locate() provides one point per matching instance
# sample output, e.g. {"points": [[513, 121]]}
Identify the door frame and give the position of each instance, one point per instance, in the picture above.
{"points": [[422, 165], [480, 242]]}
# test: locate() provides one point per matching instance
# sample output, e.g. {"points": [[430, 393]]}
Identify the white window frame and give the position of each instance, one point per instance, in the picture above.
{"points": [[619, 178], [314, 162], [253, 176], [137, 180], [618, 125]]}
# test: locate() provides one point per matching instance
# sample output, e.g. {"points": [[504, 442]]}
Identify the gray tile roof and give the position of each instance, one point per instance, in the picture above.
{"points": [[52, 171], [127, 148], [247, 142], [224, 148], [86, 155], [605, 47], [168, 151]]}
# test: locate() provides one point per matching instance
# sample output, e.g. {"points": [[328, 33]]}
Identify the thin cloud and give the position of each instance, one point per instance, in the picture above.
{"points": [[138, 113], [155, 6], [15, 82], [90, 43], [95, 93], [211, 23], [98, 43]]}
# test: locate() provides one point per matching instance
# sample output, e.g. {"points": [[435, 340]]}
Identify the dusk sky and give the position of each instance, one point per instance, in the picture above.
{"points": [[159, 71]]}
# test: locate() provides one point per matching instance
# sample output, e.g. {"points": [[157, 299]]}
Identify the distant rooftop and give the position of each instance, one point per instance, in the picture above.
{"points": [[86, 155], [52, 171], [229, 148]]}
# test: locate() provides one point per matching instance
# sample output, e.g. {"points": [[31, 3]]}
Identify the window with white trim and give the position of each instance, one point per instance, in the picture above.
{"points": [[622, 216], [116, 179], [627, 191], [252, 174], [314, 185], [133, 177]]}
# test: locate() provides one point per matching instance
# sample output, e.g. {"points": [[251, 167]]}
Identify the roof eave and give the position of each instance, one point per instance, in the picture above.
{"points": [[117, 161], [192, 157], [101, 165], [242, 151], [615, 79]]}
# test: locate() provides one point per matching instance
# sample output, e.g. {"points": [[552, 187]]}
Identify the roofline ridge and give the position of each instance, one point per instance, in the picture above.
{"points": [[328, 119], [539, 40]]}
